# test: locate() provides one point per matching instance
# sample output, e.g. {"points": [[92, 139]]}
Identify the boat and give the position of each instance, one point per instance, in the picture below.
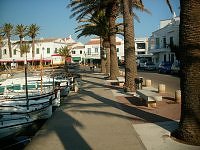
{"points": [[12, 124]]}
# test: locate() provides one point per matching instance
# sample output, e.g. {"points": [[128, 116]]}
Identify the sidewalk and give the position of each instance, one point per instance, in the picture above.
{"points": [[102, 117], [88, 120]]}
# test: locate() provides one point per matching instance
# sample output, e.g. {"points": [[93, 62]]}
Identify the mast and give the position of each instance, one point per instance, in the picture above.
{"points": [[41, 74], [25, 67]]}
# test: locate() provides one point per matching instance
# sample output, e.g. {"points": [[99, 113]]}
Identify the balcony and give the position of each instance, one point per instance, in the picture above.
{"points": [[159, 50]]}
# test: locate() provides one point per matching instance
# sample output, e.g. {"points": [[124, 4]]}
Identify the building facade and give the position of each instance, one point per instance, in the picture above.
{"points": [[161, 39], [92, 48], [47, 50]]}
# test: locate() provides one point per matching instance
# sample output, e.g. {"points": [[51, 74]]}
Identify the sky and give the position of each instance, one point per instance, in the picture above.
{"points": [[53, 17]]}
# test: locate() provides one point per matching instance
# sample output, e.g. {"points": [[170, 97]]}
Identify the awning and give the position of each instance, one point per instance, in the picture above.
{"points": [[35, 60], [76, 58]]}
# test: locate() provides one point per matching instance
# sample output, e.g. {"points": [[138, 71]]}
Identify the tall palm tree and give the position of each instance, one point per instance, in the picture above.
{"points": [[1, 44], [98, 25], [21, 31], [189, 43], [65, 52], [83, 8], [33, 31], [129, 42], [24, 49], [7, 30]]}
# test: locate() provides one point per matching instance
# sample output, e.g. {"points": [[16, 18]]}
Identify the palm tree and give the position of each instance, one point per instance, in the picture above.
{"points": [[33, 31], [7, 30], [112, 11], [1, 44], [129, 43], [65, 51], [83, 8], [98, 25], [24, 49], [189, 43], [20, 30]]}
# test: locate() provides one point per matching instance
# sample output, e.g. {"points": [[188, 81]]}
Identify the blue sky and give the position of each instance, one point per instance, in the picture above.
{"points": [[53, 16]]}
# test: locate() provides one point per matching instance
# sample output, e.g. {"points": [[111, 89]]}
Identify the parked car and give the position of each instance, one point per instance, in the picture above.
{"points": [[149, 66], [175, 69], [165, 67]]}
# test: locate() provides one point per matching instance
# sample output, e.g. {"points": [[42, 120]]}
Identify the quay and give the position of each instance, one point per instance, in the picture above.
{"points": [[101, 116]]}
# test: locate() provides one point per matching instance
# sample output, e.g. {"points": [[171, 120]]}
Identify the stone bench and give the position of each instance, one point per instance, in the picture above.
{"points": [[149, 95]]}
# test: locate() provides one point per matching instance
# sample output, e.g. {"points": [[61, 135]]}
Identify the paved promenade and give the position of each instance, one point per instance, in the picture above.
{"points": [[102, 117]]}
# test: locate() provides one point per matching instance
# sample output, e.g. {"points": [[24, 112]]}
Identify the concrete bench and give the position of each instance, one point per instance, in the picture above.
{"points": [[121, 81], [150, 95]]}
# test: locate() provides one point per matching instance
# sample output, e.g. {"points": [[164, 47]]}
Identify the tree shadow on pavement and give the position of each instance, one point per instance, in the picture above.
{"points": [[67, 136], [147, 116]]}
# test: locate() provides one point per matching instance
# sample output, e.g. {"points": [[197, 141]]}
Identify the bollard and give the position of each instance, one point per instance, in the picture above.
{"points": [[178, 96], [148, 83], [161, 88], [76, 88]]}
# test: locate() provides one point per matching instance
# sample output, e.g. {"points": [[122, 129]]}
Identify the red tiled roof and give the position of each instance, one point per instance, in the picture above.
{"points": [[93, 42], [79, 47]]}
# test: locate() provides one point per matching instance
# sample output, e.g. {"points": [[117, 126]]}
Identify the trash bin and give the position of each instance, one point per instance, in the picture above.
{"points": [[138, 82]]}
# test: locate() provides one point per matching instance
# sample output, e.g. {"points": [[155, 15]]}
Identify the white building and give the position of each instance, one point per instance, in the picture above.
{"points": [[141, 46], [45, 49], [161, 39], [92, 48]]}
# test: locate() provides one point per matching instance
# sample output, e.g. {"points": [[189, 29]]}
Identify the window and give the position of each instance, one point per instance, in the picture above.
{"points": [[56, 50], [73, 52], [157, 43], [96, 50], [172, 58], [81, 51], [171, 40], [4, 51], [164, 42], [164, 57], [117, 49], [37, 51], [89, 51], [48, 50], [140, 53], [14, 52], [140, 45]]}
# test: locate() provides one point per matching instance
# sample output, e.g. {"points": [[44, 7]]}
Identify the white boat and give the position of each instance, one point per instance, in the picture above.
{"points": [[11, 124], [13, 91]]}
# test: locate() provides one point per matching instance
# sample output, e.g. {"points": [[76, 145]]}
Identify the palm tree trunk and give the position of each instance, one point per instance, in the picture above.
{"points": [[103, 60], [9, 47], [189, 125], [114, 69], [20, 45], [106, 45], [129, 48], [108, 61], [33, 51]]}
